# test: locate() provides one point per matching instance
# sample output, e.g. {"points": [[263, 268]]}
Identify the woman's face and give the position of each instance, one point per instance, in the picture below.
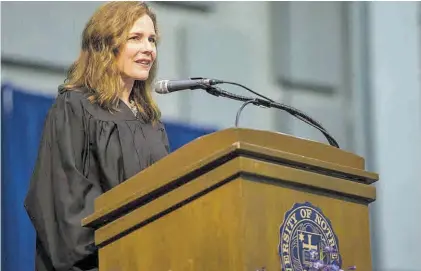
{"points": [[139, 52]]}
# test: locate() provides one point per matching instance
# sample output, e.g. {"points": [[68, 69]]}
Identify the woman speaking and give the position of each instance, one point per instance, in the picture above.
{"points": [[103, 128]]}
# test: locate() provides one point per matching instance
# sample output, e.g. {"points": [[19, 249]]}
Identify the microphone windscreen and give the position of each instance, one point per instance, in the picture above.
{"points": [[161, 86]]}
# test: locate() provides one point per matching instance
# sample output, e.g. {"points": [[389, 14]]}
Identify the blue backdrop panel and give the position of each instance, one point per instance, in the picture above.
{"points": [[22, 121], [23, 116]]}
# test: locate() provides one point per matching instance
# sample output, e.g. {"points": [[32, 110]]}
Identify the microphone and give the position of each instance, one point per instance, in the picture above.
{"points": [[168, 86]]}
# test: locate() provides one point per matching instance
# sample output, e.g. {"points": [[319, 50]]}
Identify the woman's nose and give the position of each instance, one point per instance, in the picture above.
{"points": [[146, 46]]}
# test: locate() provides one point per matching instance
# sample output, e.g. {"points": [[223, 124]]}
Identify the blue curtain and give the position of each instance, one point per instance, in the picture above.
{"points": [[22, 121]]}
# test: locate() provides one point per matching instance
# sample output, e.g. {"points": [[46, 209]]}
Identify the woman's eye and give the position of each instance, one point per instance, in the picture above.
{"points": [[152, 40]]}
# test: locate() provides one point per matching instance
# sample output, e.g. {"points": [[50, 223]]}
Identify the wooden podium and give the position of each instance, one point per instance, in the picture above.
{"points": [[238, 200]]}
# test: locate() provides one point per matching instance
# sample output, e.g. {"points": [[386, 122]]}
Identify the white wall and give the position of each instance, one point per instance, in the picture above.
{"points": [[311, 61], [396, 121]]}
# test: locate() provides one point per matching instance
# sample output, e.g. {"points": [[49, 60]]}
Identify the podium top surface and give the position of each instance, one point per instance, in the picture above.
{"points": [[282, 142], [203, 151]]}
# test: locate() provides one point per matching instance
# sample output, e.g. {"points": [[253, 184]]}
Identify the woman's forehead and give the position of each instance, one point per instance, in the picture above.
{"points": [[143, 24]]}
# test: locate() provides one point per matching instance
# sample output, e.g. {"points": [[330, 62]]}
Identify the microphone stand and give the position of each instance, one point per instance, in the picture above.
{"points": [[216, 91]]}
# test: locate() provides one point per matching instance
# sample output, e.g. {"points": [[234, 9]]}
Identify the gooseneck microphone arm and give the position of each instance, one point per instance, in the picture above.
{"points": [[168, 86], [216, 91]]}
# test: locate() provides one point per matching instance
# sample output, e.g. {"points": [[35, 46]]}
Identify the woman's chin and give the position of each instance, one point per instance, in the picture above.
{"points": [[141, 76]]}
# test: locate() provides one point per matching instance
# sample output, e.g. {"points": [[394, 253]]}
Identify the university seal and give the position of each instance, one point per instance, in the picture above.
{"points": [[306, 230]]}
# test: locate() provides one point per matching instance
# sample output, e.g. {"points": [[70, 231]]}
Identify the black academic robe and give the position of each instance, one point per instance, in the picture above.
{"points": [[84, 151]]}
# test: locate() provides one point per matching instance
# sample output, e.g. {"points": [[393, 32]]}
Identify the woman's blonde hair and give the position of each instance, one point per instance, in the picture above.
{"points": [[96, 67]]}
